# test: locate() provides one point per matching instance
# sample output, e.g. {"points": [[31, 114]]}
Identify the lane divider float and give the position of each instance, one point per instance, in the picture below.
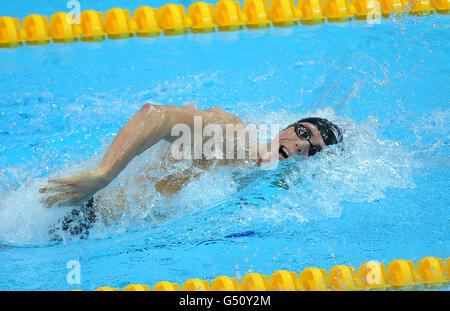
{"points": [[92, 26], [369, 276], [200, 17]]}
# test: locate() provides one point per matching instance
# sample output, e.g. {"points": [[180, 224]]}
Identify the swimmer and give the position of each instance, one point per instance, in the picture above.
{"points": [[153, 123]]}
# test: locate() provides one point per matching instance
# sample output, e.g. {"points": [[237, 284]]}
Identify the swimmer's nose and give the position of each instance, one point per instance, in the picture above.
{"points": [[302, 147]]}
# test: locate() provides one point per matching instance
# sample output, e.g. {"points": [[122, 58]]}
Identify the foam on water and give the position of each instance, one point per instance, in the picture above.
{"points": [[23, 219]]}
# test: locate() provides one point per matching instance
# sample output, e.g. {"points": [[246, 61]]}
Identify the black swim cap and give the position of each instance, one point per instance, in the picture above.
{"points": [[331, 134]]}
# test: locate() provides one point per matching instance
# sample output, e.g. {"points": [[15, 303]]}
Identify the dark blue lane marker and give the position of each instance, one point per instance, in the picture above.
{"points": [[241, 234]]}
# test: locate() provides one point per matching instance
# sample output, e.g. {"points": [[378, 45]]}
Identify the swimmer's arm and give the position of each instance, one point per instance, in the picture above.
{"points": [[147, 127], [173, 183]]}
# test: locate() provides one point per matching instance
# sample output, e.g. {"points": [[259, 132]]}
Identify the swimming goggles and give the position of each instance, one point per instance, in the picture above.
{"points": [[305, 134]]}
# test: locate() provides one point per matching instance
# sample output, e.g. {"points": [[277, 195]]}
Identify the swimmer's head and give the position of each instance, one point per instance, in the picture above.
{"points": [[305, 137]]}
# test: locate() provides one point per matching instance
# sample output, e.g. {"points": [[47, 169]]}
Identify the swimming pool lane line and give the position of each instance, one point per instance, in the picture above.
{"points": [[201, 17], [429, 271]]}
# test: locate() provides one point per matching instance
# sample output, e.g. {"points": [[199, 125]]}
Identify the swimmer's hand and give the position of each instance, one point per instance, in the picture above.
{"points": [[74, 190]]}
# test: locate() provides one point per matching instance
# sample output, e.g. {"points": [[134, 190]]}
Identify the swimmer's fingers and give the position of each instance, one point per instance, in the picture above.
{"points": [[59, 188], [74, 181], [66, 180], [61, 199], [77, 188], [58, 184]]}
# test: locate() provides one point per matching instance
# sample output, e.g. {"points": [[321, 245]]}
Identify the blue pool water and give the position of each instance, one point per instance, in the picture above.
{"points": [[385, 198]]}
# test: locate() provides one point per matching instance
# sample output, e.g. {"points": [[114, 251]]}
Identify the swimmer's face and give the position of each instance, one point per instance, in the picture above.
{"points": [[288, 143]]}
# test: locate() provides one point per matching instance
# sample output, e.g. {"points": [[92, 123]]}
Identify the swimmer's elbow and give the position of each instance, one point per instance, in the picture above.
{"points": [[146, 107]]}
